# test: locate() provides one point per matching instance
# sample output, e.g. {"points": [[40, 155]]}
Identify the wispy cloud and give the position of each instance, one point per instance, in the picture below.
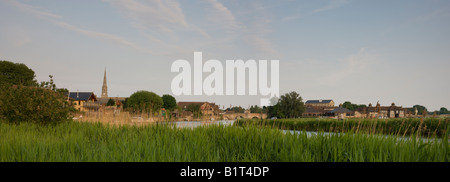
{"points": [[256, 36], [165, 16], [441, 12], [259, 29], [58, 20], [333, 4], [223, 15], [255, 29], [34, 10], [99, 35], [156, 19], [354, 64]]}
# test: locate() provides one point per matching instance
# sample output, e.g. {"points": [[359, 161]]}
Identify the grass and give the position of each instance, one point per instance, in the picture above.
{"points": [[83, 142], [428, 127]]}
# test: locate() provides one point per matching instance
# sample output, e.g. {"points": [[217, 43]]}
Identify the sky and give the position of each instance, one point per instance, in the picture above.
{"points": [[362, 51]]}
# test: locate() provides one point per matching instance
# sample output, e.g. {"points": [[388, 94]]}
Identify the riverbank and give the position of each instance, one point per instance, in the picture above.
{"points": [[428, 127]]}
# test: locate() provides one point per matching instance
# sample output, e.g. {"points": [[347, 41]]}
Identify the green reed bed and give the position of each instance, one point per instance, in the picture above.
{"points": [[428, 127], [73, 141]]}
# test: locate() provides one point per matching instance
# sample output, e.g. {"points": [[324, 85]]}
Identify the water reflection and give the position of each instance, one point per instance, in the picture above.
{"points": [[193, 124]]}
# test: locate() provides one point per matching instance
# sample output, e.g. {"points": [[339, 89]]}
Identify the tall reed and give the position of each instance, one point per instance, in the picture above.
{"points": [[400, 126], [82, 142]]}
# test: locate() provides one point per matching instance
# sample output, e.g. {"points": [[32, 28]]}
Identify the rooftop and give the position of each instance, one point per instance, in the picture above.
{"points": [[82, 96], [317, 101]]}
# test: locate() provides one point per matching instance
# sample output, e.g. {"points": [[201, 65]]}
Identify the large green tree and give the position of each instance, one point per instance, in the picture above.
{"points": [[145, 101], [419, 108], [170, 103], [16, 74], [274, 111], [444, 110], [291, 105]]}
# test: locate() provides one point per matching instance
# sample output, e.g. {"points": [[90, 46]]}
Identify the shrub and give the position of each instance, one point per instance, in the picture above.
{"points": [[32, 104], [145, 101], [170, 103], [111, 102]]}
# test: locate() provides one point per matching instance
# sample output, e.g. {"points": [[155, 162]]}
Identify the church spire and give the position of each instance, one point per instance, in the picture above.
{"points": [[104, 87]]}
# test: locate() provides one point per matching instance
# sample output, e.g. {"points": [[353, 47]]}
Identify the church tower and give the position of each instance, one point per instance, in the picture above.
{"points": [[104, 87]]}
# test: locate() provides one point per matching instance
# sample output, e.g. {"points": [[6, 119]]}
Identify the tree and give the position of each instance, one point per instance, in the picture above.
{"points": [[195, 109], [257, 109], [125, 104], [42, 104], [443, 110], [362, 106], [291, 105], [419, 108], [111, 102], [274, 111], [348, 105], [16, 74], [145, 101], [170, 103]]}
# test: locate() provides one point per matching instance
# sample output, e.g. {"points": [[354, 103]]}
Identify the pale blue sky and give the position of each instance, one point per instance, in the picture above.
{"points": [[362, 51]]}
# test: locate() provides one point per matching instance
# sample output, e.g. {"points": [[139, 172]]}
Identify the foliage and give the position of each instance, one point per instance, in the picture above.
{"points": [[420, 109], [236, 109], [125, 103], [274, 111], [291, 105], [31, 102], [444, 110], [145, 101], [111, 102], [170, 103], [195, 109], [348, 105], [16, 74], [257, 109], [94, 142]]}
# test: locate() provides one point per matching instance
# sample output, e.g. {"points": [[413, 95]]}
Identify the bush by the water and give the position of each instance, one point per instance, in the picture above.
{"points": [[22, 99], [32, 104]]}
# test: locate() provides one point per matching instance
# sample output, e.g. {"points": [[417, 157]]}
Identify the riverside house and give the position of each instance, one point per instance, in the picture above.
{"points": [[83, 101]]}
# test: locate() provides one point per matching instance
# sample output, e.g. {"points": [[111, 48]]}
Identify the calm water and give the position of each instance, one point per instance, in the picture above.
{"points": [[193, 124]]}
